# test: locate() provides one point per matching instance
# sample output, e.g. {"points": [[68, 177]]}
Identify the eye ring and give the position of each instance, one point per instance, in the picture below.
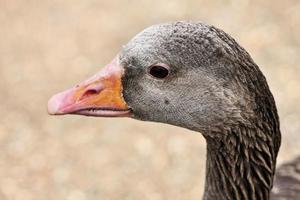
{"points": [[159, 70]]}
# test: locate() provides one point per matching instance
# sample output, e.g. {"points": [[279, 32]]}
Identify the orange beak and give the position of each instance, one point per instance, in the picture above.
{"points": [[100, 96]]}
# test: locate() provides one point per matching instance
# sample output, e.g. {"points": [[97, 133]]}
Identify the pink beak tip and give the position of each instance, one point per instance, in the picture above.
{"points": [[54, 105]]}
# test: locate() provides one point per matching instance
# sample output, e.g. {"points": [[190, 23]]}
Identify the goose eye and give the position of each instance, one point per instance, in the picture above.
{"points": [[159, 71]]}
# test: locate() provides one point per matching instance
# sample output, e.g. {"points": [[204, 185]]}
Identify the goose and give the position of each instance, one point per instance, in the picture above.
{"points": [[196, 76]]}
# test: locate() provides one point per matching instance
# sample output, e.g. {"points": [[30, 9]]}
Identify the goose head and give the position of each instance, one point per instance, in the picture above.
{"points": [[185, 74]]}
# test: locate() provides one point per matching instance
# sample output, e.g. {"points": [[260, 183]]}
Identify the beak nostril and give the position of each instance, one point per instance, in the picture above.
{"points": [[91, 90], [89, 93]]}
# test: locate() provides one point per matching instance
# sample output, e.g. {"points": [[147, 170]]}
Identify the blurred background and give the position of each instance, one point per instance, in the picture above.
{"points": [[48, 46]]}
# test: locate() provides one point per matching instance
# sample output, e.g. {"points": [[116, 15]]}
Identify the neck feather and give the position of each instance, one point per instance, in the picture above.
{"points": [[241, 163]]}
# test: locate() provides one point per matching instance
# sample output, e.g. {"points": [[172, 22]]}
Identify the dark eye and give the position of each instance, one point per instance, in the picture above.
{"points": [[159, 71]]}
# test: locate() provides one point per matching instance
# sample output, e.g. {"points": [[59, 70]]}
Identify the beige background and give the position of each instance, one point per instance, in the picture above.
{"points": [[49, 45]]}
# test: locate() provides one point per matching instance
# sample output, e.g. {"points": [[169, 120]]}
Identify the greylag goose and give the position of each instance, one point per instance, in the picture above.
{"points": [[192, 75]]}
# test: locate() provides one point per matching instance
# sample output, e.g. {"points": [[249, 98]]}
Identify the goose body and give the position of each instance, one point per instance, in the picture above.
{"points": [[193, 75]]}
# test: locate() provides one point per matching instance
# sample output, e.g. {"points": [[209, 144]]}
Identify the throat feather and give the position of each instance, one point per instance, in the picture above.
{"points": [[240, 165]]}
